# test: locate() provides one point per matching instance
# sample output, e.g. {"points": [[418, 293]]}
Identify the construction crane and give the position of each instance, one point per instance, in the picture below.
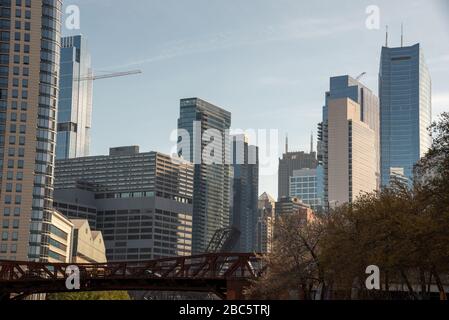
{"points": [[360, 76], [109, 75]]}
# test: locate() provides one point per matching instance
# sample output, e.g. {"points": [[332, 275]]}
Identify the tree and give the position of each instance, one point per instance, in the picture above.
{"points": [[293, 262]]}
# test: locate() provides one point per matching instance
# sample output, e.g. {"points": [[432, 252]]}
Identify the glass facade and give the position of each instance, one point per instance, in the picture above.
{"points": [[42, 205], [245, 187], [211, 199], [75, 99], [306, 185], [406, 110]]}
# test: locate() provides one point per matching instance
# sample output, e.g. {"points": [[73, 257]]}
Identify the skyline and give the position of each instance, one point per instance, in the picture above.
{"points": [[273, 64]]}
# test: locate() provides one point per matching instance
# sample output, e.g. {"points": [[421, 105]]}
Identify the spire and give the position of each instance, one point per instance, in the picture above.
{"points": [[386, 38], [311, 143], [286, 143], [402, 35]]}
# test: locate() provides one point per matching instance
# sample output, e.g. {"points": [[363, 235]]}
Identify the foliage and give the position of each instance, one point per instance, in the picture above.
{"points": [[103, 295]]}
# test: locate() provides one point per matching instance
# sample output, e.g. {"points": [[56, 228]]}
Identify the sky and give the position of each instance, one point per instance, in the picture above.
{"points": [[268, 62]]}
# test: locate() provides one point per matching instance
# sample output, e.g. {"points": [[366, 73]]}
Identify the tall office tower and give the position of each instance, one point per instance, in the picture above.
{"points": [[204, 141], [75, 99], [245, 189], [347, 87], [29, 71], [406, 109], [351, 153], [142, 202], [265, 223], [307, 185], [290, 162]]}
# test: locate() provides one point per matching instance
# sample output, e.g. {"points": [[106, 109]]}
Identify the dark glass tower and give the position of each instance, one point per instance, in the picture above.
{"points": [[405, 110], [245, 189], [211, 200]]}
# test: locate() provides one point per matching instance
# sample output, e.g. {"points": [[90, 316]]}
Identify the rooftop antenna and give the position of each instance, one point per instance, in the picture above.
{"points": [[402, 35], [286, 144], [386, 38], [311, 143]]}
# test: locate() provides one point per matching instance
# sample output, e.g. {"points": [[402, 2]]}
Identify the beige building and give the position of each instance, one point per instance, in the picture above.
{"points": [[60, 239], [352, 156], [265, 223], [88, 245], [29, 67]]}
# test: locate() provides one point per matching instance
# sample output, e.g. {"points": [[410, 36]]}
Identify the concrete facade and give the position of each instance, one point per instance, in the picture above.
{"points": [[141, 202], [352, 158], [88, 245]]}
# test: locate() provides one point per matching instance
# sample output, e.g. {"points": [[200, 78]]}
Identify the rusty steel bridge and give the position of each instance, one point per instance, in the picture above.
{"points": [[224, 274]]}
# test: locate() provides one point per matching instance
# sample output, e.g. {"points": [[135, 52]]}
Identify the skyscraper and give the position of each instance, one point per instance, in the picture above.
{"points": [[405, 110], [245, 189], [290, 162], [29, 71], [265, 223], [204, 140], [75, 99], [351, 153], [368, 113]]}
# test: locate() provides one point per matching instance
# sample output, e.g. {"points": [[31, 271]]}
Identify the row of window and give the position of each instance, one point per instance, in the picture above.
{"points": [[4, 248], [6, 224], [6, 236]]}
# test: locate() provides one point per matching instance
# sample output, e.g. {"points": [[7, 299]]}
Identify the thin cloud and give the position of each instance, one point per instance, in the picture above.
{"points": [[292, 30]]}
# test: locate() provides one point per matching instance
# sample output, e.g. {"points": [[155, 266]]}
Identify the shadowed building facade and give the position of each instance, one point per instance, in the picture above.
{"points": [[141, 202], [290, 162], [245, 189]]}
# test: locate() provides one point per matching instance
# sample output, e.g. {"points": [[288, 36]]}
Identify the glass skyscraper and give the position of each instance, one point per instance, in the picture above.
{"points": [[405, 108], [245, 189], [75, 99], [211, 198]]}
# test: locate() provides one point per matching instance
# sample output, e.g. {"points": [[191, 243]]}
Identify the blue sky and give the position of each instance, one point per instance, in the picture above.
{"points": [[266, 61]]}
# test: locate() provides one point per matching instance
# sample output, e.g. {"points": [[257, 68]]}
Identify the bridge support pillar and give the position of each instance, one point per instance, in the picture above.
{"points": [[235, 289]]}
